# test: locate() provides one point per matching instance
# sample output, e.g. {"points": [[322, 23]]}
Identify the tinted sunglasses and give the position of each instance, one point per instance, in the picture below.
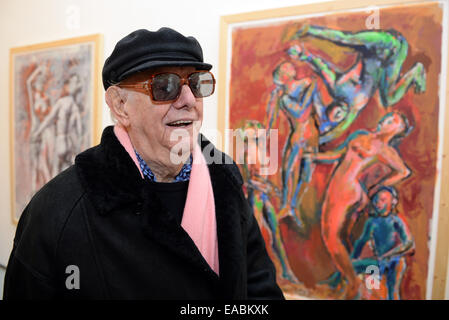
{"points": [[166, 87]]}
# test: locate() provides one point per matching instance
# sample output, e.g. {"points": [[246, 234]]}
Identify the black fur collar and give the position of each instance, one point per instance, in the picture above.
{"points": [[111, 178]]}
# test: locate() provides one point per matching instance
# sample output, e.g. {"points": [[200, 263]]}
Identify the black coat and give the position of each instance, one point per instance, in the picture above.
{"points": [[100, 216]]}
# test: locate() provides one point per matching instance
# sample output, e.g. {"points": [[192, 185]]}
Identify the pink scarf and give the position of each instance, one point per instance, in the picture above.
{"points": [[198, 219]]}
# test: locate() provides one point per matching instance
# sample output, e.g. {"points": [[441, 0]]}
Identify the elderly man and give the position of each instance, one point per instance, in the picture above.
{"points": [[143, 215]]}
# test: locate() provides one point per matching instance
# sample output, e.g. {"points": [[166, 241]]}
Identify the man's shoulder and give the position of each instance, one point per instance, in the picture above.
{"points": [[45, 216], [58, 197]]}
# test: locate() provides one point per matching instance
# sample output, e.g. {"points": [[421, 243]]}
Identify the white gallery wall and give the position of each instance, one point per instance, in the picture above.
{"points": [[26, 22]]}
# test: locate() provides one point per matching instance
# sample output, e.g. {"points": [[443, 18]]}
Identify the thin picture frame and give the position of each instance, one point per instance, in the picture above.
{"points": [[55, 110], [439, 221]]}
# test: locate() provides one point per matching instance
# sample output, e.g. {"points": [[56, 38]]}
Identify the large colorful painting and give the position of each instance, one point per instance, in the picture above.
{"points": [[54, 106], [357, 96]]}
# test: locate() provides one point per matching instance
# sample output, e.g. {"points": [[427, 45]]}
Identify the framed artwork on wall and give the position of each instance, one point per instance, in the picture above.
{"points": [[356, 95], [55, 107]]}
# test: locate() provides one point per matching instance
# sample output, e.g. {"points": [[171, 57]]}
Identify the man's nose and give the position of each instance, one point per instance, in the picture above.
{"points": [[186, 98]]}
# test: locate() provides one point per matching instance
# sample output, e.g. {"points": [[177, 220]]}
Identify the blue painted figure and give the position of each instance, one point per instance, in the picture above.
{"points": [[391, 242]]}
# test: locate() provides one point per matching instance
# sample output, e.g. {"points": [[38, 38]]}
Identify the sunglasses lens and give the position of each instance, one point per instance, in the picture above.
{"points": [[165, 86], [202, 84]]}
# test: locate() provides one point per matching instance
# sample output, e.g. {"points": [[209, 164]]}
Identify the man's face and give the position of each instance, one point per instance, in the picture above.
{"points": [[152, 127], [383, 203]]}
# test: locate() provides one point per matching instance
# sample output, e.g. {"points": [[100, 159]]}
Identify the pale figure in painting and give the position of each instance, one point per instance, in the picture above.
{"points": [[66, 114], [41, 141]]}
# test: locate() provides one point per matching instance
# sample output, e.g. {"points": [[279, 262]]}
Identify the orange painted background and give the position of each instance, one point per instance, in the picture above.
{"points": [[256, 51]]}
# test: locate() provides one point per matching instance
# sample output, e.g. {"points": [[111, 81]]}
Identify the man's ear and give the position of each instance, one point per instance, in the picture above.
{"points": [[116, 99]]}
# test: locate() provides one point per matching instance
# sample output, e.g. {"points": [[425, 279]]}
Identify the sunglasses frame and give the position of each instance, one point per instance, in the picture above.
{"points": [[146, 85]]}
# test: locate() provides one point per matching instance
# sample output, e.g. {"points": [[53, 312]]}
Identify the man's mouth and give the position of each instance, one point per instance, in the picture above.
{"points": [[180, 123]]}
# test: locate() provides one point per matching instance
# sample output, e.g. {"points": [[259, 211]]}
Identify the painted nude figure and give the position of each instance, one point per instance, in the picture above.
{"points": [[345, 193], [294, 97], [390, 240], [259, 190], [67, 118], [42, 142], [381, 55]]}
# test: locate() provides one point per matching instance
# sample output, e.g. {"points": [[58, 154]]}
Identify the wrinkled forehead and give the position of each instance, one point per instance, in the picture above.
{"points": [[183, 71]]}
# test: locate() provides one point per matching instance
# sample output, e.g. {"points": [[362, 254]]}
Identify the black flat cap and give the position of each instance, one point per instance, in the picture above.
{"points": [[143, 49]]}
